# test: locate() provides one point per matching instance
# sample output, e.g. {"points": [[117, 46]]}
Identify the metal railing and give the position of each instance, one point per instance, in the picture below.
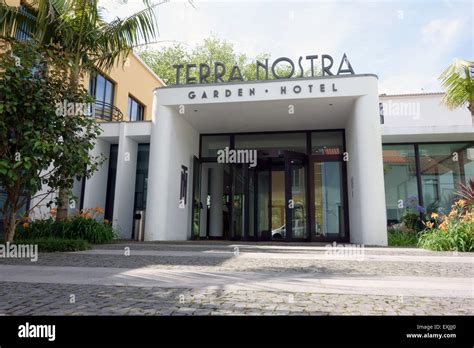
{"points": [[107, 112]]}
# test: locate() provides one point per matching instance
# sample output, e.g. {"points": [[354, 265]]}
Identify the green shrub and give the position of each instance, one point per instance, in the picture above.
{"points": [[52, 244], [79, 227], [402, 238], [456, 237], [452, 232]]}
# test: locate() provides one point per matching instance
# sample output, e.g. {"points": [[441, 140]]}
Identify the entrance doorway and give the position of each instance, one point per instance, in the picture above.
{"points": [[288, 196]]}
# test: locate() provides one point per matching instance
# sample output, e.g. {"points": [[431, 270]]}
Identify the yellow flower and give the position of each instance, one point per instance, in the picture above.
{"points": [[434, 215], [428, 224], [452, 213], [461, 203]]}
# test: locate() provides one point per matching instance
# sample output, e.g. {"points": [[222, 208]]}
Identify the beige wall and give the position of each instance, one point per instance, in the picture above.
{"points": [[13, 2], [135, 79]]}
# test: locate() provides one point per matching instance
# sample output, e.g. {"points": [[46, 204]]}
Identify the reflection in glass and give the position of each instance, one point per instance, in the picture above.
{"points": [[210, 144], [328, 199], [298, 194], [401, 186], [443, 167], [278, 204]]}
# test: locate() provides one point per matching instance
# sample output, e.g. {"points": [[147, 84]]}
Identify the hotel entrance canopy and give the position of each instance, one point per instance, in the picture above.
{"points": [[183, 113]]}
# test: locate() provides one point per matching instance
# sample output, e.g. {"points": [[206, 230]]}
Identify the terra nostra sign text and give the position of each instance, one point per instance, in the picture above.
{"points": [[186, 74]]}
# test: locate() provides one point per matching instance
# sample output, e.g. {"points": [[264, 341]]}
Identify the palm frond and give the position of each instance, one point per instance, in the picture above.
{"points": [[12, 18], [458, 83]]}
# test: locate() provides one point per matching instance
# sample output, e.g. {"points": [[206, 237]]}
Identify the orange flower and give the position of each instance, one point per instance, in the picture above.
{"points": [[452, 214], [443, 225], [26, 225], [428, 224], [461, 203], [106, 221]]}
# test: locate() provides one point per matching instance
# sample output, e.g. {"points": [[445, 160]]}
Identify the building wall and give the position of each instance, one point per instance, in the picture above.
{"points": [[422, 111], [13, 2], [173, 144], [133, 78], [365, 179]]}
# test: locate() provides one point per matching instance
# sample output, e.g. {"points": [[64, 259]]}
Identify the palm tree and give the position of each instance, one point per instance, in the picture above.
{"points": [[79, 28], [458, 82]]}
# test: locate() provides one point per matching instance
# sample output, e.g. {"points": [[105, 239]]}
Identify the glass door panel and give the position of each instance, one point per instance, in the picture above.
{"points": [[328, 207], [296, 225], [278, 204], [238, 202], [263, 205]]}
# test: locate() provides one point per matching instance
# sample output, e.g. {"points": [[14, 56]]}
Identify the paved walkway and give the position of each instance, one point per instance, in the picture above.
{"points": [[229, 278]]}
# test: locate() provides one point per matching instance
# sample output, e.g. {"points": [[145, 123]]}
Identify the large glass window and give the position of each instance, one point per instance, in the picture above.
{"points": [[327, 143], [110, 194], [272, 144], [401, 189], [212, 143], [141, 181], [102, 89], [136, 110], [442, 168]]}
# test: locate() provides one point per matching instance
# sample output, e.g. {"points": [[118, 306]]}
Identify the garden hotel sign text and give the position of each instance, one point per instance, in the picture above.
{"points": [[204, 70]]}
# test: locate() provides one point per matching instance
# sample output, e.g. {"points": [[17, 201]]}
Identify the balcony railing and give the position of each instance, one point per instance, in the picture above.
{"points": [[107, 112]]}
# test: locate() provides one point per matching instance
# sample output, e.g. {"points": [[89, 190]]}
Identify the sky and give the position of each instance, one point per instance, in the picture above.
{"points": [[406, 43]]}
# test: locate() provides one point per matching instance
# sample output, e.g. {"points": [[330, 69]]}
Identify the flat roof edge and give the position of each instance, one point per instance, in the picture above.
{"points": [[266, 81]]}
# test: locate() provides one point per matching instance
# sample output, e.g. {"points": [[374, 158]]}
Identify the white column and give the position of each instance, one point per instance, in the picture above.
{"points": [[217, 190], [95, 189], [173, 144], [365, 178], [125, 184], [204, 191]]}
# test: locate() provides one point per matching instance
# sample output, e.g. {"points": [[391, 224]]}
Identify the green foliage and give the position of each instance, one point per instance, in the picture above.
{"points": [[466, 192], [78, 227], [54, 244], [402, 238], [77, 32], [451, 232], [457, 237], [79, 28], [410, 219], [38, 146], [209, 51], [458, 82]]}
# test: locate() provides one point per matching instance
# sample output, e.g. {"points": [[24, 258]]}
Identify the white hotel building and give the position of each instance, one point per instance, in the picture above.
{"points": [[332, 165]]}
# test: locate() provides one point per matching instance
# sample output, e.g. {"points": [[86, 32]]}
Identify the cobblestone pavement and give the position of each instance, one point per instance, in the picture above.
{"points": [[52, 295]]}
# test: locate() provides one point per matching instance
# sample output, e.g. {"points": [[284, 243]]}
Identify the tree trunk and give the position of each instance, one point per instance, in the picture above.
{"points": [[10, 226], [63, 196], [471, 107], [63, 204]]}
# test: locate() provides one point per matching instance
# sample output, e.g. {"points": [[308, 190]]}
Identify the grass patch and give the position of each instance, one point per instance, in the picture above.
{"points": [[402, 238], [76, 228], [52, 244]]}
